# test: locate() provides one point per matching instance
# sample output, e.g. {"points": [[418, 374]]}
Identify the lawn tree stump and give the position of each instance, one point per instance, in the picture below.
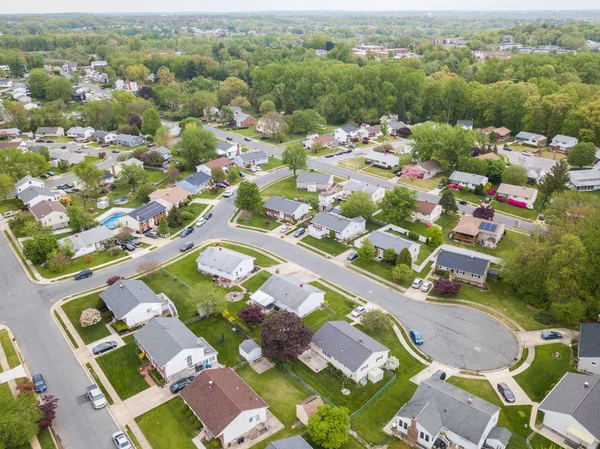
{"points": [[234, 296]]}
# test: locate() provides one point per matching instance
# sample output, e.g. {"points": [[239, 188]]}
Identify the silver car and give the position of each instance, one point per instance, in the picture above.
{"points": [[417, 283], [426, 286], [121, 441]]}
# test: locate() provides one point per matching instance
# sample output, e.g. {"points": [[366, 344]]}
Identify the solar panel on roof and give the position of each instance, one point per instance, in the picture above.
{"points": [[488, 226]]}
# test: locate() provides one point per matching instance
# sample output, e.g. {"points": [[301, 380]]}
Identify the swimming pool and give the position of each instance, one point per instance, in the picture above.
{"points": [[112, 221]]}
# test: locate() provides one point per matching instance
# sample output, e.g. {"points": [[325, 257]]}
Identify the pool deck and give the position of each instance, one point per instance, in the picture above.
{"points": [[115, 210]]}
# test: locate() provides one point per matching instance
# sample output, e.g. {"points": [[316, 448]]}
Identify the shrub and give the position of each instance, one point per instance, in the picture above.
{"points": [[252, 315], [491, 191], [58, 263], [446, 287], [111, 280], [544, 317], [88, 259], [479, 190], [465, 189], [114, 251], [120, 326], [89, 317], [453, 186], [413, 236], [187, 216]]}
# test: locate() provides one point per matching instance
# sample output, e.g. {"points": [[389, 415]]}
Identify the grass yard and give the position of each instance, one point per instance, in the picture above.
{"points": [[287, 188], [256, 281], [422, 184], [81, 263], [209, 195], [274, 162], [10, 204], [540, 442], [73, 311], [379, 171], [545, 371], [196, 209], [261, 221], [185, 300], [357, 163], [168, 427], [9, 349], [154, 176], [338, 306], [213, 329], [530, 214], [121, 368], [45, 439], [326, 244], [262, 260], [384, 270]]}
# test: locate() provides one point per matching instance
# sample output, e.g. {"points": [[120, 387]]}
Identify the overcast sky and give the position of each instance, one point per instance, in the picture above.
{"points": [[54, 6]]}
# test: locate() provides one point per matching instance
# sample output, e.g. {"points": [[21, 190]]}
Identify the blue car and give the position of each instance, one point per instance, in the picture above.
{"points": [[299, 232], [186, 231], [40, 384], [416, 337]]}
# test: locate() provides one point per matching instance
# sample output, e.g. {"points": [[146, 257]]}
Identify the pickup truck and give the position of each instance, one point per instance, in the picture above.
{"points": [[95, 396]]}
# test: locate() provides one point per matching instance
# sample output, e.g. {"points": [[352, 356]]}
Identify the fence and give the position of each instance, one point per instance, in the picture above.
{"points": [[299, 379], [381, 390]]}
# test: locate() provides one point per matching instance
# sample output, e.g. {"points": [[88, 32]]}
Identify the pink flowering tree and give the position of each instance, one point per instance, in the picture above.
{"points": [[411, 171]]}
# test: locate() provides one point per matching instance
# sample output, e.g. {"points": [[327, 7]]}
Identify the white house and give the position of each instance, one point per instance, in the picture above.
{"points": [[116, 169], [284, 292], [225, 405], [439, 411], [284, 209], [344, 228], [251, 158], [89, 241], [426, 212], [385, 160], [50, 213], [133, 302], [382, 240], [572, 409], [225, 263], [466, 124], [33, 195], [589, 348], [467, 179], [28, 181], [351, 351], [65, 156], [164, 152], [429, 168], [582, 180], [531, 139], [78, 132], [173, 349], [127, 140], [518, 193], [345, 133], [313, 181], [104, 136], [49, 131], [563, 143], [95, 64], [227, 149], [375, 192], [250, 350]]}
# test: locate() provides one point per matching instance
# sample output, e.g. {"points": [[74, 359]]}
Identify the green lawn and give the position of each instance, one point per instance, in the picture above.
{"points": [[530, 214], [209, 195], [384, 270], [256, 281], [423, 184], [154, 176], [262, 260], [274, 162], [357, 163], [73, 311], [10, 204], [9, 349], [121, 368], [167, 426], [196, 209], [261, 221], [213, 329], [82, 263], [337, 307], [185, 299], [379, 171], [45, 439], [541, 442], [326, 244], [287, 188], [545, 371]]}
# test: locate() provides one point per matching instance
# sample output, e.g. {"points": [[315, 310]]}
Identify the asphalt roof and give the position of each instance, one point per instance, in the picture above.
{"points": [[221, 145], [589, 340], [89, 237], [382, 157], [346, 344], [501, 434], [333, 221], [43, 208], [462, 262], [126, 138], [33, 192], [529, 136], [467, 177], [27, 180], [566, 139], [288, 290], [349, 128], [385, 240], [295, 442], [125, 295], [249, 345], [253, 156], [318, 178], [146, 211], [282, 204], [221, 259], [464, 122], [197, 179]]}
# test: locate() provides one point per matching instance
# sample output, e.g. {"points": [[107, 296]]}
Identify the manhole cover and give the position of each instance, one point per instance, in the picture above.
{"points": [[477, 348]]}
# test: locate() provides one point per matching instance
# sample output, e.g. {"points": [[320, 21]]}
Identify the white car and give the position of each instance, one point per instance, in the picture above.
{"points": [[417, 283], [227, 193], [358, 311], [200, 222], [526, 153], [121, 441], [426, 286], [284, 229], [258, 169]]}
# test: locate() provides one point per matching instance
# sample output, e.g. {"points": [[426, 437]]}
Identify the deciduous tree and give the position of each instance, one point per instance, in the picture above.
{"points": [[217, 174], [366, 251], [515, 175], [148, 267], [19, 418], [47, 407], [133, 175], [399, 204], [211, 301], [294, 156], [446, 287], [376, 321], [285, 337], [329, 427], [434, 236], [150, 122], [448, 201], [582, 154], [197, 146], [6, 185], [248, 197], [89, 317], [39, 247], [37, 82], [404, 257], [252, 315], [59, 88], [555, 181], [484, 212], [90, 178], [358, 204]]}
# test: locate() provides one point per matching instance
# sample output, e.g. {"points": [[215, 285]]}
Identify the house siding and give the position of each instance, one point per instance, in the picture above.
{"points": [[559, 422], [142, 313], [318, 186], [363, 370], [244, 423], [57, 220], [241, 271], [589, 365], [464, 276]]}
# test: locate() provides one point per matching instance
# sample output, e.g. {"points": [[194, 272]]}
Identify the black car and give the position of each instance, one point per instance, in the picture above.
{"points": [[181, 384], [463, 202], [263, 137], [115, 151], [49, 141], [247, 139], [186, 231], [104, 347], [208, 216], [439, 374], [506, 392], [151, 234], [551, 335], [229, 138], [105, 145], [186, 247], [128, 246], [83, 275], [329, 155], [441, 185]]}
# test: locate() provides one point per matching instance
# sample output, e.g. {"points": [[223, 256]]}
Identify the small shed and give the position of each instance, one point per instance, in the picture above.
{"points": [[250, 350], [307, 408]]}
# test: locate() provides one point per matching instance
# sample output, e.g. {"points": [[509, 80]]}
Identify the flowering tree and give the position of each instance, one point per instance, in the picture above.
{"points": [[48, 408], [392, 363], [484, 212], [411, 171], [89, 317], [111, 280], [446, 287], [252, 315]]}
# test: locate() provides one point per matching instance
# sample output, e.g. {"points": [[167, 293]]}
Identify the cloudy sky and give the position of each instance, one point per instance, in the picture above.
{"points": [[53, 6]]}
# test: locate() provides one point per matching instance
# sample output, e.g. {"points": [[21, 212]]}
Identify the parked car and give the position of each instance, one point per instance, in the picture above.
{"points": [[353, 255], [181, 384], [79, 150], [126, 246], [551, 335], [105, 145], [39, 140], [358, 311], [186, 246], [441, 185], [417, 283], [84, 274], [415, 336], [463, 202], [227, 193], [229, 138], [86, 141], [505, 148], [527, 153], [506, 392], [40, 383], [186, 231], [242, 174], [299, 232], [258, 169], [426, 286], [349, 150], [208, 216], [398, 174], [247, 139], [10, 213], [104, 347], [221, 185], [63, 147], [115, 151], [439, 374], [227, 183], [263, 137], [339, 153], [200, 222], [365, 141], [284, 229], [121, 441], [95, 396], [152, 234], [49, 141], [352, 146], [329, 155]]}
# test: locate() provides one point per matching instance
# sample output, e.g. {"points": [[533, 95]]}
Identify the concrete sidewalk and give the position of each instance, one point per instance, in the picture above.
{"points": [[506, 377]]}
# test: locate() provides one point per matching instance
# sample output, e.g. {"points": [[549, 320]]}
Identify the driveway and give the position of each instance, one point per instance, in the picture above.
{"points": [[515, 157], [534, 338]]}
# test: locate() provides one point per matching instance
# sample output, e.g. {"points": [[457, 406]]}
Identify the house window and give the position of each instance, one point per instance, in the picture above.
{"points": [[379, 358], [251, 419], [364, 367], [593, 363], [405, 425], [148, 310], [460, 272], [421, 435], [427, 438], [189, 360], [476, 276]]}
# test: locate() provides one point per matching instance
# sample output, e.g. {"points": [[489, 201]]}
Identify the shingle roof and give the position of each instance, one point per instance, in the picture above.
{"points": [[559, 138], [333, 221], [89, 237], [253, 156], [589, 340], [162, 150], [582, 178], [125, 295], [383, 157], [357, 186], [33, 192], [425, 207], [249, 345], [501, 434], [27, 180], [43, 208], [509, 189], [382, 239], [146, 211], [295, 442], [397, 125], [346, 344], [469, 178], [100, 134], [224, 146], [470, 225], [317, 178], [288, 290], [198, 179], [462, 262], [126, 138], [465, 123], [282, 205], [430, 165], [349, 128], [219, 162], [571, 397], [529, 136], [47, 129], [164, 338], [221, 259]]}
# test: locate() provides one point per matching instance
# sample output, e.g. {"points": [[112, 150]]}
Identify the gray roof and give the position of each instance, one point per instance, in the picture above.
{"points": [[357, 186], [100, 134], [438, 404], [162, 150], [333, 221], [282, 205], [349, 128], [581, 178], [146, 211], [198, 179], [501, 434], [224, 145], [346, 344], [248, 346], [252, 156], [564, 139], [47, 129], [385, 240], [384, 157], [430, 198], [125, 295], [397, 125], [589, 340], [462, 262], [32, 192], [89, 237], [465, 123], [27, 180], [127, 138], [164, 338], [529, 136], [295, 442], [221, 259], [288, 290], [571, 397], [470, 178], [317, 178]]}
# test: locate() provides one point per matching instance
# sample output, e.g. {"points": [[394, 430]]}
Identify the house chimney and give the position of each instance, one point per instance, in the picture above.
{"points": [[470, 401], [586, 384], [412, 434], [220, 248]]}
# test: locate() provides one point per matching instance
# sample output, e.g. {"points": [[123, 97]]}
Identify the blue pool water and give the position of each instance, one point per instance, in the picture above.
{"points": [[112, 221]]}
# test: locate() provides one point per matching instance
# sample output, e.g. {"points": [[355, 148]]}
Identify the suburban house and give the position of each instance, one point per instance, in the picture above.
{"points": [[133, 302], [284, 209], [582, 180], [395, 127], [26, 182], [225, 405], [225, 263], [116, 169], [50, 213], [343, 228], [444, 416], [250, 350], [313, 181], [468, 179], [88, 242], [49, 131], [535, 175], [426, 212], [589, 348], [375, 192], [429, 168], [327, 141], [328, 197], [9, 133], [131, 86], [251, 158], [164, 152], [469, 269], [466, 124], [145, 217], [382, 240], [283, 292], [351, 351], [33, 195], [502, 133], [95, 64], [572, 410], [295, 442], [308, 407], [195, 183], [532, 139], [66, 157], [474, 230], [222, 162], [562, 143], [173, 349], [242, 120], [385, 160], [518, 193], [227, 149], [369, 132], [169, 197], [77, 132], [127, 140], [345, 133], [104, 137]]}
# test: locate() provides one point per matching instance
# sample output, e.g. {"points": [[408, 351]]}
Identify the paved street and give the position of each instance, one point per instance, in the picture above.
{"points": [[534, 162]]}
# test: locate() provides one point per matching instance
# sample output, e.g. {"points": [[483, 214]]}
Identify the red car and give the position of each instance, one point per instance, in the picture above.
{"points": [[227, 183]]}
